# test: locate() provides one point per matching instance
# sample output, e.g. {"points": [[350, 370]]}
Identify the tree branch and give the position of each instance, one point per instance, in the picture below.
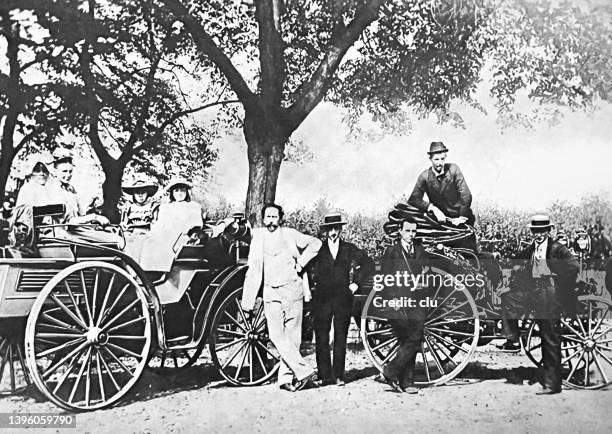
{"points": [[207, 46], [315, 89], [176, 116], [272, 62]]}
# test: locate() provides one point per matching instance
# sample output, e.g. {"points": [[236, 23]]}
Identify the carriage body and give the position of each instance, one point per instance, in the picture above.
{"points": [[83, 320]]}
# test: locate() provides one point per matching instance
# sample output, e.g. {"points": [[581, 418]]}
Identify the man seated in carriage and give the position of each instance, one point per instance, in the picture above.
{"points": [[449, 196]]}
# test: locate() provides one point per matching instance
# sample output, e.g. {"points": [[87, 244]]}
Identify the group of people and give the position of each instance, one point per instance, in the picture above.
{"points": [[279, 255]]}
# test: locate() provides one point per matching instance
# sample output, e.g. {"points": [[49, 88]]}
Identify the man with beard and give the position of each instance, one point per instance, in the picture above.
{"points": [[338, 269], [546, 287], [277, 257], [449, 196]]}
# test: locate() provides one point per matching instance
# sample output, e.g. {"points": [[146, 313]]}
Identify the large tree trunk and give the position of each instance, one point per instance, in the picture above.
{"points": [[266, 148], [111, 190], [6, 162]]}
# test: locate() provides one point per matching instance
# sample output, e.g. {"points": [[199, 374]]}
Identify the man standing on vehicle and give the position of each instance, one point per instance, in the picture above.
{"points": [[338, 269], [547, 284], [277, 257]]}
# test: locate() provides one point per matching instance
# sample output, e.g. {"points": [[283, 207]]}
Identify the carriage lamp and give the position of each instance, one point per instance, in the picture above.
{"points": [[584, 242]]}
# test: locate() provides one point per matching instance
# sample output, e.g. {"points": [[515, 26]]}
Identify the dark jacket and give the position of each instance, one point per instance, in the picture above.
{"points": [[449, 192], [332, 277], [394, 259], [560, 261]]}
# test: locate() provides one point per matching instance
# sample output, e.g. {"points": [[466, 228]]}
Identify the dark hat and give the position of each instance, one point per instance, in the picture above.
{"points": [[540, 221], [141, 184], [334, 219], [62, 155], [437, 148]]}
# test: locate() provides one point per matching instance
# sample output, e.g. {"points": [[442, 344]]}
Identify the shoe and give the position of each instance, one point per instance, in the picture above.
{"points": [[412, 390], [300, 384], [324, 382], [509, 347], [340, 382], [548, 391], [288, 387], [393, 383]]}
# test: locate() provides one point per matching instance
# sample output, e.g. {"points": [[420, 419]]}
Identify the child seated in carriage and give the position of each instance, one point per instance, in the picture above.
{"points": [[139, 214]]}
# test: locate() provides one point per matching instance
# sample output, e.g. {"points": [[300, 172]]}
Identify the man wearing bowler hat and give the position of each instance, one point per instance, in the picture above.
{"points": [[448, 194], [337, 270], [547, 280]]}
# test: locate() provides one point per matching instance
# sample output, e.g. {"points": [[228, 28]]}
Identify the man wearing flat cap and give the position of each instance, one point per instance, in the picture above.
{"points": [[547, 282], [448, 194], [338, 269]]}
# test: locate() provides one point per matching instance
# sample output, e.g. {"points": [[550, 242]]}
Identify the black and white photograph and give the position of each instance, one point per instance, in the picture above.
{"points": [[294, 216]]}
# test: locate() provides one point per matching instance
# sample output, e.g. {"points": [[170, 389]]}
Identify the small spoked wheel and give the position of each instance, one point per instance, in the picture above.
{"points": [[13, 372], [450, 334], [240, 346], [586, 344], [174, 359], [88, 336]]}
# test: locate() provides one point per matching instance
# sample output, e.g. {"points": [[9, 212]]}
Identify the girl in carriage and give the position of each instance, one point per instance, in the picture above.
{"points": [[140, 213]]}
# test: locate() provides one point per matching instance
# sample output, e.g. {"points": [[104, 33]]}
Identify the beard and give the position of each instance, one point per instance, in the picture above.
{"points": [[272, 227]]}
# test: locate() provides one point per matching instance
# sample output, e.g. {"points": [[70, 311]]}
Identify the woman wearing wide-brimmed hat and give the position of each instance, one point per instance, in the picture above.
{"points": [[139, 214], [174, 221]]}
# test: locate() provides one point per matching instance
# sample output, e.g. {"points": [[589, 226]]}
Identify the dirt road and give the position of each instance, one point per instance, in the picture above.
{"points": [[494, 394]]}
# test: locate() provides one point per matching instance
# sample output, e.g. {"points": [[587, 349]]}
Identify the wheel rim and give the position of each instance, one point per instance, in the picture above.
{"points": [[13, 372], [586, 345], [241, 348], [166, 360], [88, 336], [450, 335]]}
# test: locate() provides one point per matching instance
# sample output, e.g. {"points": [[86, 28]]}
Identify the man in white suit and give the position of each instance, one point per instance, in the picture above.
{"points": [[277, 256]]}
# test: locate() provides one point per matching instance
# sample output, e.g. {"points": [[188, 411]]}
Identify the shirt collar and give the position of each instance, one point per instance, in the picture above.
{"points": [[407, 247], [438, 174]]}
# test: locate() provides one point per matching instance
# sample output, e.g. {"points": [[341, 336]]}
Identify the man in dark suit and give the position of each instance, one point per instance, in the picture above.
{"points": [[337, 270], [547, 287], [448, 193], [405, 256]]}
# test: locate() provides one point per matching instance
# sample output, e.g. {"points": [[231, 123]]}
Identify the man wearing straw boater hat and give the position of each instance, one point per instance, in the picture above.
{"points": [[337, 270], [448, 194], [546, 286]]}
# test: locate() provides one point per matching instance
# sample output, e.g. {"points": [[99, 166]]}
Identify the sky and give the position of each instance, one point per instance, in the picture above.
{"points": [[515, 168]]}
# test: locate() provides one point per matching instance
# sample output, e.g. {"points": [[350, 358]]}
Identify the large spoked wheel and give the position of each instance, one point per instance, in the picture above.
{"points": [[586, 344], [174, 359], [240, 347], [13, 372], [88, 336], [450, 335]]}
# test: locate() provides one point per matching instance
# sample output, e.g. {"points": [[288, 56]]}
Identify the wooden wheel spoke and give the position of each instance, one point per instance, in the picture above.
{"points": [[387, 330], [174, 358], [109, 372], [230, 332], [11, 366], [385, 343], [425, 362], [435, 357], [4, 357], [119, 362], [450, 321], [59, 324], [124, 350], [449, 311], [241, 364], [392, 351], [605, 331], [569, 347], [576, 332], [105, 313], [589, 318], [601, 371], [234, 320], [95, 296], [125, 324], [128, 337], [120, 314], [258, 316], [242, 314], [51, 369], [100, 377], [443, 339], [603, 356], [586, 368], [59, 335], [74, 302], [452, 332], [23, 366], [600, 321], [570, 357], [251, 363], [75, 386], [87, 305], [267, 350], [63, 346], [67, 372], [229, 344], [261, 362], [233, 356], [572, 338], [68, 312], [105, 299], [574, 367], [443, 301]]}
